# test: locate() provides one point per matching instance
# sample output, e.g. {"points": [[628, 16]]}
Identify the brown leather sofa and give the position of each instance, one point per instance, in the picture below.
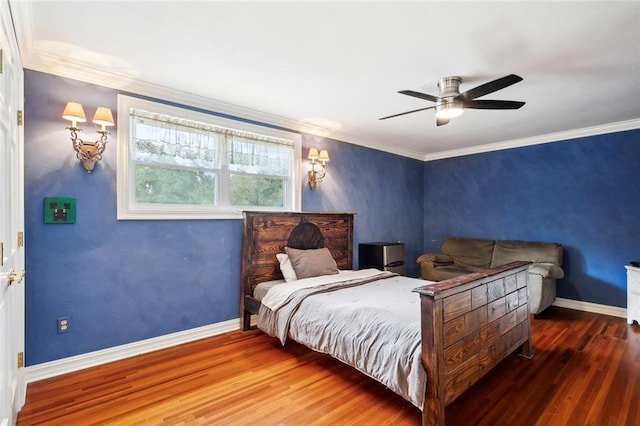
{"points": [[459, 256]]}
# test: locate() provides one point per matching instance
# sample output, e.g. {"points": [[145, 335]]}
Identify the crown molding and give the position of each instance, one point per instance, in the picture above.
{"points": [[537, 140], [128, 85]]}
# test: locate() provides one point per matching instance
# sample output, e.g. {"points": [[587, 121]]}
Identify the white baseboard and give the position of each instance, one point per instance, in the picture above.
{"points": [[613, 311], [66, 365]]}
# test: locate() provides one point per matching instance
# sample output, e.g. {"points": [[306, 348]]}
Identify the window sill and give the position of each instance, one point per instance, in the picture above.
{"points": [[185, 214]]}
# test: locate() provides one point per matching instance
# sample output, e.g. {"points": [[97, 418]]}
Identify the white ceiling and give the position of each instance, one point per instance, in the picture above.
{"points": [[342, 63]]}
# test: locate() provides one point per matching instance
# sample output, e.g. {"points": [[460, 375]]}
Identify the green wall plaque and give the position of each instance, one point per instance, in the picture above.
{"points": [[59, 210]]}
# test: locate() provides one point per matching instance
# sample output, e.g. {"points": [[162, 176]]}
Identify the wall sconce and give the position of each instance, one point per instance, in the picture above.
{"points": [[88, 152], [316, 176]]}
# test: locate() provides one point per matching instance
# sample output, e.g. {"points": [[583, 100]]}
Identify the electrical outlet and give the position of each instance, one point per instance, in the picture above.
{"points": [[63, 325]]}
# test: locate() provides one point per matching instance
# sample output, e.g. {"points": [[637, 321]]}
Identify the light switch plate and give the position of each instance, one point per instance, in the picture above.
{"points": [[59, 210]]}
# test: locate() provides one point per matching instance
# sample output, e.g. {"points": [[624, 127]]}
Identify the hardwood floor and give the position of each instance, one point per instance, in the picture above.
{"points": [[586, 371]]}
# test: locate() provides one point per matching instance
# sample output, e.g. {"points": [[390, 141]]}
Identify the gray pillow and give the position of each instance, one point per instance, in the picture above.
{"points": [[312, 263]]}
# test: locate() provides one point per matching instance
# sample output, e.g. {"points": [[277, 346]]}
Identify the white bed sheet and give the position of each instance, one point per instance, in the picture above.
{"points": [[374, 327], [278, 295]]}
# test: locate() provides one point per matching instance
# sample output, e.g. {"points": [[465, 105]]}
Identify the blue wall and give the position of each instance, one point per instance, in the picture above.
{"points": [[384, 190], [583, 193], [124, 281]]}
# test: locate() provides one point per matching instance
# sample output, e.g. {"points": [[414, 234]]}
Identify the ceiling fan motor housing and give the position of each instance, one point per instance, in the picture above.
{"points": [[447, 107], [449, 86]]}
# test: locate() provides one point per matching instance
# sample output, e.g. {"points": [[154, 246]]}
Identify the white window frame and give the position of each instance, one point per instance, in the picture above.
{"points": [[128, 209]]}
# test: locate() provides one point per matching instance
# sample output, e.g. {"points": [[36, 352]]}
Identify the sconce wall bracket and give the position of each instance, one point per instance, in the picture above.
{"points": [[315, 176], [89, 153], [320, 159]]}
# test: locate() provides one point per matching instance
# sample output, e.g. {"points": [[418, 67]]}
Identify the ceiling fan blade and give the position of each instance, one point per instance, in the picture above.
{"points": [[490, 87], [408, 112], [489, 104], [442, 121], [420, 95]]}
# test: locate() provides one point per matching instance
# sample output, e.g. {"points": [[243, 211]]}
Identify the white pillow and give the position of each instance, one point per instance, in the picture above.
{"points": [[286, 267]]}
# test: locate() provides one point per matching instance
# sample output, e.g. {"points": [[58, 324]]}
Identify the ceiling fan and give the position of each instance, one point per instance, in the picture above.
{"points": [[450, 103]]}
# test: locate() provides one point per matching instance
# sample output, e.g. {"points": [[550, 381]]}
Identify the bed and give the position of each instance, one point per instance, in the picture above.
{"points": [[457, 330]]}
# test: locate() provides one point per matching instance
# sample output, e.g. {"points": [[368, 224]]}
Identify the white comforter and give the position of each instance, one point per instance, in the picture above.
{"points": [[371, 322], [278, 294]]}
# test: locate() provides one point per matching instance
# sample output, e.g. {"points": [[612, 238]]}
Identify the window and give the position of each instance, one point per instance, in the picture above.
{"points": [[174, 163]]}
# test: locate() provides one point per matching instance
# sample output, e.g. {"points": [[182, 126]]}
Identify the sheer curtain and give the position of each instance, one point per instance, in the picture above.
{"points": [[158, 138], [256, 154]]}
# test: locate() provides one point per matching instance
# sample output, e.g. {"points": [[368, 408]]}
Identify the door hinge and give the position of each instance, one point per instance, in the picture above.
{"points": [[20, 359], [20, 239], [20, 118], [1, 61], [1, 253]]}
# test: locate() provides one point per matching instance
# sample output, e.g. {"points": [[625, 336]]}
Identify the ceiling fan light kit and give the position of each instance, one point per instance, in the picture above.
{"points": [[450, 103], [449, 109]]}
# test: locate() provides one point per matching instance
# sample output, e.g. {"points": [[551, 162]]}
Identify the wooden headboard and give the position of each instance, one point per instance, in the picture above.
{"points": [[265, 234]]}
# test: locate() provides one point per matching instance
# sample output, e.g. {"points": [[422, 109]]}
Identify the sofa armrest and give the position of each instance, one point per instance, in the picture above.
{"points": [[429, 261], [546, 270], [438, 259]]}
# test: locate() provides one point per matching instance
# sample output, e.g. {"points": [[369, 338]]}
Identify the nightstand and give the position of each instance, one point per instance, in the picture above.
{"points": [[633, 294]]}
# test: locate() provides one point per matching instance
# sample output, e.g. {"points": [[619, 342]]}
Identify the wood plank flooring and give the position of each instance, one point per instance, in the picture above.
{"points": [[586, 371]]}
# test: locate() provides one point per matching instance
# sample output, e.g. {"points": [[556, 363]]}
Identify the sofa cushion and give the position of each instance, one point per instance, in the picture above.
{"points": [[506, 251], [468, 252]]}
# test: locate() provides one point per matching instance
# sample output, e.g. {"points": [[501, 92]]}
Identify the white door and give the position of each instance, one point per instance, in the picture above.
{"points": [[12, 388]]}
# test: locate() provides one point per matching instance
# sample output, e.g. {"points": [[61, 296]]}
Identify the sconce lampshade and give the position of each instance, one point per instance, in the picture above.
{"points": [[323, 156], [103, 116], [74, 112], [313, 154]]}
